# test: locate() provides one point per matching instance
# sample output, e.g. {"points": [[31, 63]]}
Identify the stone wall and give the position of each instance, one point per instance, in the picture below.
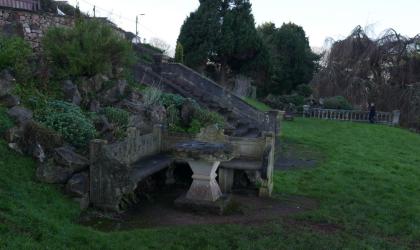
{"points": [[30, 25]]}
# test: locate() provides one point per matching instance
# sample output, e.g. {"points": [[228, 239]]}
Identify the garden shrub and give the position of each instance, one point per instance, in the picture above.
{"points": [[92, 47], [14, 55], [5, 121], [304, 90], [284, 101], [207, 118], [69, 121], [117, 116], [337, 102], [169, 99], [151, 96]]}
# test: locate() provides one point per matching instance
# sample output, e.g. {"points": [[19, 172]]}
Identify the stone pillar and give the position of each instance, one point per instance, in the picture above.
{"points": [[226, 179], [396, 117], [96, 173], [204, 186], [266, 185]]}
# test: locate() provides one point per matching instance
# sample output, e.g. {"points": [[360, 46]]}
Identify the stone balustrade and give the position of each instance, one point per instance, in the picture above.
{"points": [[388, 118]]}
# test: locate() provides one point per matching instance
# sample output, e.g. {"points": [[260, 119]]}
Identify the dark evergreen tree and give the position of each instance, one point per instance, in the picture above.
{"points": [[293, 62], [223, 33], [200, 32]]}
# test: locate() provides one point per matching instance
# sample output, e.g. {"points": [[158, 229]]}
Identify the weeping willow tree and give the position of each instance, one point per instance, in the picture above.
{"points": [[385, 71]]}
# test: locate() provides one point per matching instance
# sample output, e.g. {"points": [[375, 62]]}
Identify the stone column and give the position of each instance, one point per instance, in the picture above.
{"points": [[96, 173], [204, 186], [396, 117], [226, 179]]}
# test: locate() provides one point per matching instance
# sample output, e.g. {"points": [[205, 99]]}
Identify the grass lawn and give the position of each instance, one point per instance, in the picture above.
{"points": [[368, 185], [256, 104]]}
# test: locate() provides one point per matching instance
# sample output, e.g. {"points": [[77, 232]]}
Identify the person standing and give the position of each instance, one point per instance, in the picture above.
{"points": [[372, 113]]}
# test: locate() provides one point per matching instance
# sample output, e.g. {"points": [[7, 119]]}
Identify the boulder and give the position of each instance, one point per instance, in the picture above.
{"points": [[7, 83], [14, 134], [187, 113], [71, 92], [15, 147], [158, 114], [103, 125], [49, 172], [115, 93], [20, 114], [9, 101], [78, 185], [38, 153], [66, 157], [98, 82], [139, 122], [94, 106]]}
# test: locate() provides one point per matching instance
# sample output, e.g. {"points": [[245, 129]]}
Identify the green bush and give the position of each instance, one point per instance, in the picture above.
{"points": [[90, 48], [304, 90], [337, 102], [117, 116], [169, 99], [69, 121], [151, 96], [14, 55], [5, 121], [283, 102], [207, 118]]}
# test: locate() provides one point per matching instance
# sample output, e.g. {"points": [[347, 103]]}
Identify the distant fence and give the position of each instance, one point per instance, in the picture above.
{"points": [[389, 118], [31, 5]]}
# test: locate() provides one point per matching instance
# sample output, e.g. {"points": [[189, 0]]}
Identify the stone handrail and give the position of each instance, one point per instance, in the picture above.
{"points": [[265, 120], [389, 118]]}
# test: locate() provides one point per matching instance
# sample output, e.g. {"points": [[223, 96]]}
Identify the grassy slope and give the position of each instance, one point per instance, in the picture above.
{"points": [[256, 104], [368, 184]]}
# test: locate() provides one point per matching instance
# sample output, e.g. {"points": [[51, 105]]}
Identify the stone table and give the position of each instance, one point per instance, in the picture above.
{"points": [[204, 158]]}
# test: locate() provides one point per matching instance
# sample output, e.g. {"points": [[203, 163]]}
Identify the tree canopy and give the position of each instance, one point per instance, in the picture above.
{"points": [[292, 60], [222, 32]]}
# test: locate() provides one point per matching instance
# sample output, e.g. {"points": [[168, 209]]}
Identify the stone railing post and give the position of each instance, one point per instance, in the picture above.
{"points": [[97, 195], [158, 134], [272, 121], [306, 110], [396, 117], [266, 185]]}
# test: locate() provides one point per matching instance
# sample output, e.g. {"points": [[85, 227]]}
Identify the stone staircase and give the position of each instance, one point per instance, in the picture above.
{"points": [[243, 120]]}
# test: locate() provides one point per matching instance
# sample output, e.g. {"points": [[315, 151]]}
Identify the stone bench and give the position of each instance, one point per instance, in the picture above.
{"points": [[116, 169], [148, 166], [255, 158]]}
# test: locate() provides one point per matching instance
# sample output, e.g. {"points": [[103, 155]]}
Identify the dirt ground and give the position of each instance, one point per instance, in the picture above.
{"points": [[161, 212]]}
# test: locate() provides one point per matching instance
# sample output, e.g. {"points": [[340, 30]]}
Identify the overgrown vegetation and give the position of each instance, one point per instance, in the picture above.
{"points": [[14, 55], [5, 121], [366, 187], [337, 102], [69, 121], [92, 47]]}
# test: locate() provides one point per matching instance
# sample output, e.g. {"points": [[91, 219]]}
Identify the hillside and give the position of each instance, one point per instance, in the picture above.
{"points": [[366, 184]]}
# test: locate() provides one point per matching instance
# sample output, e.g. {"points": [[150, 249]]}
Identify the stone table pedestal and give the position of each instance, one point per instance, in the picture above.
{"points": [[204, 158], [204, 186]]}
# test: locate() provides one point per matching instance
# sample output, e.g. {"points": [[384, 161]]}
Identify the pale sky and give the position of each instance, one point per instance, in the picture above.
{"points": [[319, 18]]}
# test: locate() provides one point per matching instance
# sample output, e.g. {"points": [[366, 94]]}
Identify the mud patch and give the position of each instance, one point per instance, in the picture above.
{"points": [[295, 156], [248, 209]]}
